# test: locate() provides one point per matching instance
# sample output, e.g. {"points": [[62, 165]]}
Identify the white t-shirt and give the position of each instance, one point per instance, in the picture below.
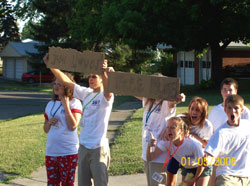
{"points": [[218, 117], [156, 123], [95, 117], [188, 154], [61, 141], [205, 132], [231, 142]]}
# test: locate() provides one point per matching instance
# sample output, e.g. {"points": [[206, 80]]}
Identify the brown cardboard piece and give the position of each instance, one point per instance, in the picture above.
{"points": [[150, 86], [75, 61]]}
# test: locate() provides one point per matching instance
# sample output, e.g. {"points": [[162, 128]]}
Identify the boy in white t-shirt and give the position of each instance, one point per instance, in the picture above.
{"points": [[230, 146], [217, 115], [93, 154]]}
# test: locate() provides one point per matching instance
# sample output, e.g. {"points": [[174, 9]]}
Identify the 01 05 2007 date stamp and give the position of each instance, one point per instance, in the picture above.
{"points": [[207, 161]]}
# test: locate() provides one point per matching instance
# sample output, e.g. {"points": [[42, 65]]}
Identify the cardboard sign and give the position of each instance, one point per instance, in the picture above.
{"points": [[75, 61], [149, 86]]}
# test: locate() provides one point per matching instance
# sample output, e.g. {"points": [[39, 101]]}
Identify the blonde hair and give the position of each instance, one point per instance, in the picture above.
{"points": [[181, 124]]}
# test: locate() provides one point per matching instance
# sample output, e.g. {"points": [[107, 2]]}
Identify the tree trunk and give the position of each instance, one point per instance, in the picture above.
{"points": [[216, 71]]}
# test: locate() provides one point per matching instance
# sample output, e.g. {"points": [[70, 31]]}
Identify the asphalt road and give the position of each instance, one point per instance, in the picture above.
{"points": [[17, 104]]}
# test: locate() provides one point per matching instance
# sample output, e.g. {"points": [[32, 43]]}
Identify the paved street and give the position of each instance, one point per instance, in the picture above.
{"points": [[16, 104]]}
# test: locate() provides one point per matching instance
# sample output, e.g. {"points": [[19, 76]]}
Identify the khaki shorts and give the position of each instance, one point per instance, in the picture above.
{"points": [[93, 163], [228, 180]]}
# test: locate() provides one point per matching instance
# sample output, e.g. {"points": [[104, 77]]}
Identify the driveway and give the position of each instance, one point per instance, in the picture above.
{"points": [[16, 104]]}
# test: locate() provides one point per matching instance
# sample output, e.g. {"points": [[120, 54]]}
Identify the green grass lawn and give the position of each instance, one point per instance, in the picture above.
{"points": [[22, 144], [126, 150], [22, 140], [21, 86]]}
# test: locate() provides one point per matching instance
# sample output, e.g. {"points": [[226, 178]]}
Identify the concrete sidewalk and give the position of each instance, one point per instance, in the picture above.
{"points": [[39, 178]]}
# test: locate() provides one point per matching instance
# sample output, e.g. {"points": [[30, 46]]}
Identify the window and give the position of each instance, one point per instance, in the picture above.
{"points": [[181, 63], [204, 64], [208, 64], [191, 64]]}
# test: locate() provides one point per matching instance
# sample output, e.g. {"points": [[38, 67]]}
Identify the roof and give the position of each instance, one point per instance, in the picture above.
{"points": [[237, 46], [23, 48], [20, 49]]}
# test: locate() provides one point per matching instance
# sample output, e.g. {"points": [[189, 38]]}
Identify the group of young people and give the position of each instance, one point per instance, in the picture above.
{"points": [[209, 149], [168, 142]]}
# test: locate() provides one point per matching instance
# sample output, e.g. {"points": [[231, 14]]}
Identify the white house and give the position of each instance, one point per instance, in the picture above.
{"points": [[192, 70], [15, 57]]}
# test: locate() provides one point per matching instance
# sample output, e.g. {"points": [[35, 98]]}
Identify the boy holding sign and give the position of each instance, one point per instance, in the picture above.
{"points": [[97, 102]]}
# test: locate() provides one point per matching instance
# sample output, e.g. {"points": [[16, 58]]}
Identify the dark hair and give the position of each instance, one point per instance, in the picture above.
{"points": [[229, 81], [67, 91], [235, 99], [150, 102], [203, 107]]}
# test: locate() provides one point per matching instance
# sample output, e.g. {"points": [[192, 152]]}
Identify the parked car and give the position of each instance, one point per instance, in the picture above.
{"points": [[34, 77]]}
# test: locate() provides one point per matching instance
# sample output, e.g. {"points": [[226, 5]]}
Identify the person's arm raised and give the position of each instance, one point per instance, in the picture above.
{"points": [[150, 155], [140, 98], [72, 119], [60, 75], [106, 69], [180, 98]]}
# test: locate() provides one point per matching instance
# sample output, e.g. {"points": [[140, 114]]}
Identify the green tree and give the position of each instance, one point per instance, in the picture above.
{"points": [[8, 26], [47, 24], [51, 21], [85, 24], [184, 24], [27, 32], [88, 25]]}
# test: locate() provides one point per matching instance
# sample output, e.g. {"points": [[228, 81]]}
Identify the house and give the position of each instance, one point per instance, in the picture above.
{"points": [[15, 57], [192, 70]]}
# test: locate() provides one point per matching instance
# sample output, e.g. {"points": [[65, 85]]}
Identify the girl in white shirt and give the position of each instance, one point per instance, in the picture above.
{"points": [[201, 129], [155, 116], [179, 147], [62, 116]]}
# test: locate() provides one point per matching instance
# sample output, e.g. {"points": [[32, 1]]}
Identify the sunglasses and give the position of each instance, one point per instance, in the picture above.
{"points": [[92, 76], [58, 84]]}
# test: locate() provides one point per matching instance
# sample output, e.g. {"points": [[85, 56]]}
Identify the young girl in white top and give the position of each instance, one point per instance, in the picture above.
{"points": [[62, 115], [156, 113], [186, 151], [94, 153], [201, 129]]}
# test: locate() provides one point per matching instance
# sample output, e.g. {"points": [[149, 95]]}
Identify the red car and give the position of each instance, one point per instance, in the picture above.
{"points": [[34, 77]]}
